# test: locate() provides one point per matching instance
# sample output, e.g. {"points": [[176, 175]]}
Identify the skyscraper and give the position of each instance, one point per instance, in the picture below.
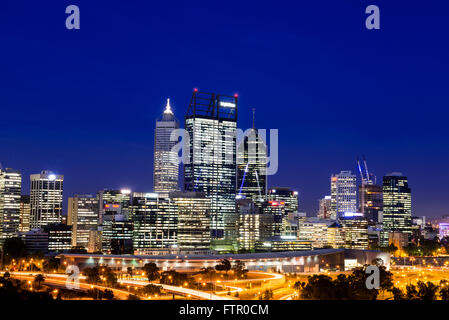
{"points": [[397, 204], [252, 166], [343, 194], [83, 216], [10, 191], [211, 123], [165, 160], [46, 199]]}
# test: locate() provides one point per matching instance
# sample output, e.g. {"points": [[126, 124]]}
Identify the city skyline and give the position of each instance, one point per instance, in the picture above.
{"points": [[304, 59]]}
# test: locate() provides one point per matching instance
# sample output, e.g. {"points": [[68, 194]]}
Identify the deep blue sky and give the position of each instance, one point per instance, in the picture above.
{"points": [[83, 102]]}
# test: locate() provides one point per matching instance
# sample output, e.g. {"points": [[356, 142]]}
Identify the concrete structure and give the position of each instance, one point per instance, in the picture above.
{"points": [[293, 261]]}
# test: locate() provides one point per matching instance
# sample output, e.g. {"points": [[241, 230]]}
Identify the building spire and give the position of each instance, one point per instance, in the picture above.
{"points": [[168, 107], [254, 118]]}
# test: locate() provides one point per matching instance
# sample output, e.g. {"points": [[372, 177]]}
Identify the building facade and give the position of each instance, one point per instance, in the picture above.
{"points": [[193, 220], [166, 167], [343, 193], [324, 211], [45, 199], [397, 205], [25, 212], [10, 193], [371, 201], [155, 221], [83, 216]]}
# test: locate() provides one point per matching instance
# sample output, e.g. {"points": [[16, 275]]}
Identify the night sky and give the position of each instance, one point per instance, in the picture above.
{"points": [[83, 102]]}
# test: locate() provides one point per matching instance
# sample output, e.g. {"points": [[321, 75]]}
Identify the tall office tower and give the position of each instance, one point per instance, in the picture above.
{"points": [[113, 202], [211, 123], [397, 204], [155, 222], [371, 201], [280, 202], [46, 199], [193, 220], [166, 165], [25, 211], [252, 166], [10, 191], [324, 211], [82, 215], [343, 194]]}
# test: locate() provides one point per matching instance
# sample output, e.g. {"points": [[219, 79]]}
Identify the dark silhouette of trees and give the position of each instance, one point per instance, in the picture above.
{"points": [[13, 248], [38, 280], [151, 271], [224, 265], [239, 269]]}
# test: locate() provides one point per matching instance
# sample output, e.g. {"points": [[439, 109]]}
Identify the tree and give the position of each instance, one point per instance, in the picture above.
{"points": [[411, 292], [175, 278], [398, 294], [427, 291], [319, 287], [92, 275], [444, 290], [224, 265], [108, 294], [151, 270], [130, 271], [13, 248], [51, 264], [266, 295], [38, 279], [239, 268], [151, 290]]}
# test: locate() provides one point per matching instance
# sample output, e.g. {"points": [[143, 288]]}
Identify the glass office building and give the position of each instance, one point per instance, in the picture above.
{"points": [[211, 123]]}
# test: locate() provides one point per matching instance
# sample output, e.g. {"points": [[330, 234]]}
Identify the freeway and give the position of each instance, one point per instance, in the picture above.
{"points": [[60, 279]]}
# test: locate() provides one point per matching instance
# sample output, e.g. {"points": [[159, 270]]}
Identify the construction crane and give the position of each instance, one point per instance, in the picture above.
{"points": [[366, 177]]}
